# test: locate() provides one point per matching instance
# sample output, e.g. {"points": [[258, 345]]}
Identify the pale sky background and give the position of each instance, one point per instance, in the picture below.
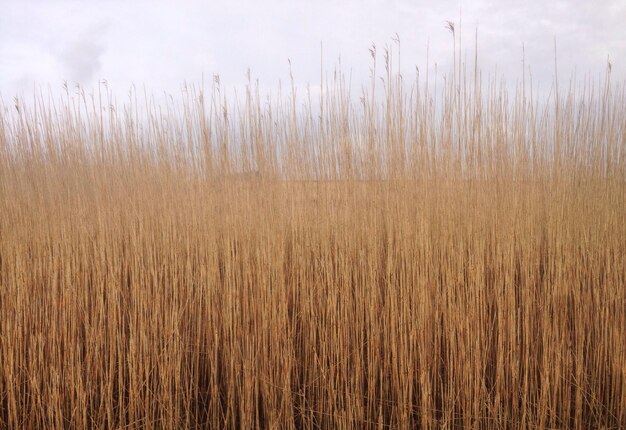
{"points": [[160, 44]]}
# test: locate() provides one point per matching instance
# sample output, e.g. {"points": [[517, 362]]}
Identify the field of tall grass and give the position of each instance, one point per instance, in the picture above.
{"points": [[435, 253]]}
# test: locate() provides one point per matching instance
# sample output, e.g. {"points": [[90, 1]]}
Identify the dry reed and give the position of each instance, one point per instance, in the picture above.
{"points": [[429, 259]]}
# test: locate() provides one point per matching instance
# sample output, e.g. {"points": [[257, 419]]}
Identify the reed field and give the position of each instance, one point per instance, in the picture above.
{"points": [[427, 253]]}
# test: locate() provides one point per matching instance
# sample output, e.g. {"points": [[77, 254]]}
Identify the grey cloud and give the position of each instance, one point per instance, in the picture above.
{"points": [[81, 59]]}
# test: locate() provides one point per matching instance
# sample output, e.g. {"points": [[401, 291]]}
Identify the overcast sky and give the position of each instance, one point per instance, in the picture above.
{"points": [[161, 44]]}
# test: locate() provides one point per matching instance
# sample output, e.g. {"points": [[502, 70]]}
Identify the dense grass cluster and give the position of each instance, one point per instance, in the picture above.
{"points": [[424, 257]]}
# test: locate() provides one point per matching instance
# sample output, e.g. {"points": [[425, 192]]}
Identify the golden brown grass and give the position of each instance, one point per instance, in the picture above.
{"points": [[413, 263]]}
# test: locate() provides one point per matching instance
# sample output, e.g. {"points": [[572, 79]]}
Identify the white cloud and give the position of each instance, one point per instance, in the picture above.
{"points": [[161, 44]]}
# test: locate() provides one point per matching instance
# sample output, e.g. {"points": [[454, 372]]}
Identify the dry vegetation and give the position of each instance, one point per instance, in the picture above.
{"points": [[440, 258]]}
